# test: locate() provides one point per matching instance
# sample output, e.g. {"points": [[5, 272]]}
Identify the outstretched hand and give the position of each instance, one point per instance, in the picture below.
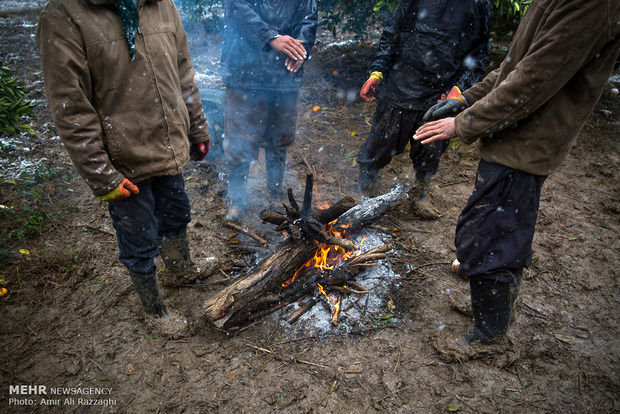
{"points": [[291, 47], [435, 131]]}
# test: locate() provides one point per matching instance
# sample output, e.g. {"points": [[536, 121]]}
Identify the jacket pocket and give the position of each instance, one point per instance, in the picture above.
{"points": [[133, 145]]}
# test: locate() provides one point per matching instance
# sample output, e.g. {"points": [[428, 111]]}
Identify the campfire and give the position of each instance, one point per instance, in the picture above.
{"points": [[317, 263]]}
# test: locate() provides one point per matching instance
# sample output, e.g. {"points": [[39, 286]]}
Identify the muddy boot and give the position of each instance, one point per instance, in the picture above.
{"points": [[422, 207], [275, 160], [491, 303], [514, 292], [368, 181], [148, 292], [237, 180], [179, 270], [159, 320]]}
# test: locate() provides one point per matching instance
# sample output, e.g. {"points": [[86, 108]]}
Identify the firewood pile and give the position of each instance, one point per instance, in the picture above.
{"points": [[317, 263]]}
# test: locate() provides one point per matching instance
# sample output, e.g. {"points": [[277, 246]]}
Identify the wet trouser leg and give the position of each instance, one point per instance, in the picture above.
{"points": [[391, 131], [160, 210]]}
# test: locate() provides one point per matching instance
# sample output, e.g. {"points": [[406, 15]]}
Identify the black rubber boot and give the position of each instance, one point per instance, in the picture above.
{"points": [[275, 160], [180, 269], [491, 303], [148, 292], [237, 180], [367, 179]]}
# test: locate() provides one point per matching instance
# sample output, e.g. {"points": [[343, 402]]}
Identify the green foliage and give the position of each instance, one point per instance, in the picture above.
{"points": [[510, 8], [13, 107], [28, 207]]}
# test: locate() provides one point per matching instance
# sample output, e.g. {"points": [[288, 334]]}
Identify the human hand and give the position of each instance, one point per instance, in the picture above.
{"points": [[293, 65], [291, 47], [369, 88], [198, 152], [124, 190], [436, 130], [444, 108]]}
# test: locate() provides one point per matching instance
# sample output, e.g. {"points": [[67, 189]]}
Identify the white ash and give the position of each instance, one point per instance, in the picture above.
{"points": [[379, 279]]}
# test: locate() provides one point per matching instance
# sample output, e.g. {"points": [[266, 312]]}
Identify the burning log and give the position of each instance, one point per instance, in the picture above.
{"points": [[289, 272]]}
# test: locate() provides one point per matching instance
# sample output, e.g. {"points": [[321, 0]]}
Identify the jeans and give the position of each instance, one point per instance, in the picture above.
{"points": [[160, 210]]}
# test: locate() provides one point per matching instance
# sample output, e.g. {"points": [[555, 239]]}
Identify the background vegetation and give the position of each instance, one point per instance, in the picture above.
{"points": [[352, 16]]}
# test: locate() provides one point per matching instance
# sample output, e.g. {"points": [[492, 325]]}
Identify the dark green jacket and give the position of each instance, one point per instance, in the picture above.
{"points": [[528, 112]]}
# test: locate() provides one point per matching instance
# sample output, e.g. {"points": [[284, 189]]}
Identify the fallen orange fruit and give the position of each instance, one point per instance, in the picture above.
{"points": [[3, 291]]}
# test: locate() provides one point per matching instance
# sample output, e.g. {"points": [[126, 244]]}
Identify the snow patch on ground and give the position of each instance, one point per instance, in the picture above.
{"points": [[18, 5]]}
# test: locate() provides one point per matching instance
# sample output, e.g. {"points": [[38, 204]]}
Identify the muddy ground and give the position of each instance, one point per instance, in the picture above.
{"points": [[72, 319]]}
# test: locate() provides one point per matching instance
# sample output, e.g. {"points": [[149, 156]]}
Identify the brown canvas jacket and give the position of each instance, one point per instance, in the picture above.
{"points": [[119, 118], [528, 112]]}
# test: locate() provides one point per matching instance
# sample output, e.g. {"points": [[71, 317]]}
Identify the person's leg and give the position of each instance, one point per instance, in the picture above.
{"points": [[172, 210], [494, 243], [383, 143], [134, 220], [425, 159], [278, 137], [245, 125]]}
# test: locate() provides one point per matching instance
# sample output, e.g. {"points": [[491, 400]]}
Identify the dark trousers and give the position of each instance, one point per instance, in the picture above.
{"points": [[495, 229], [257, 119], [160, 210], [391, 130]]}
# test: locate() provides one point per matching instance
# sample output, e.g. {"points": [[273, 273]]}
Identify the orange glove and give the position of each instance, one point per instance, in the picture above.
{"points": [[370, 87], [455, 93], [124, 190]]}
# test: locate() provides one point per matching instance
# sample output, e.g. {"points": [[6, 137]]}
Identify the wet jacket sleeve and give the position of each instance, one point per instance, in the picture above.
{"points": [[390, 40], [307, 19], [475, 63], [198, 123], [553, 58], [256, 31], [68, 88]]}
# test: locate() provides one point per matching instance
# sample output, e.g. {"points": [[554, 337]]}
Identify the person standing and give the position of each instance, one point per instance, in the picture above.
{"points": [[526, 115], [265, 45], [430, 50], [120, 85]]}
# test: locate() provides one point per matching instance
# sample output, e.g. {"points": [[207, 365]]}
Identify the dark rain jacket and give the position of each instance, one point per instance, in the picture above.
{"points": [[430, 46], [248, 62], [528, 112], [116, 117]]}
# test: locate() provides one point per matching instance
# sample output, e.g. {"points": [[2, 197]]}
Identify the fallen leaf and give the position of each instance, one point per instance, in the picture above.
{"points": [[24, 251], [353, 133], [454, 408], [567, 339], [316, 108], [3, 291]]}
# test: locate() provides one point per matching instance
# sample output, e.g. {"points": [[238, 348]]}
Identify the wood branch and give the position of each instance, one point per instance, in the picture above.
{"points": [[336, 311], [302, 310], [294, 206], [245, 298], [234, 304], [369, 211], [307, 205], [246, 231], [323, 216], [273, 217], [330, 214]]}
